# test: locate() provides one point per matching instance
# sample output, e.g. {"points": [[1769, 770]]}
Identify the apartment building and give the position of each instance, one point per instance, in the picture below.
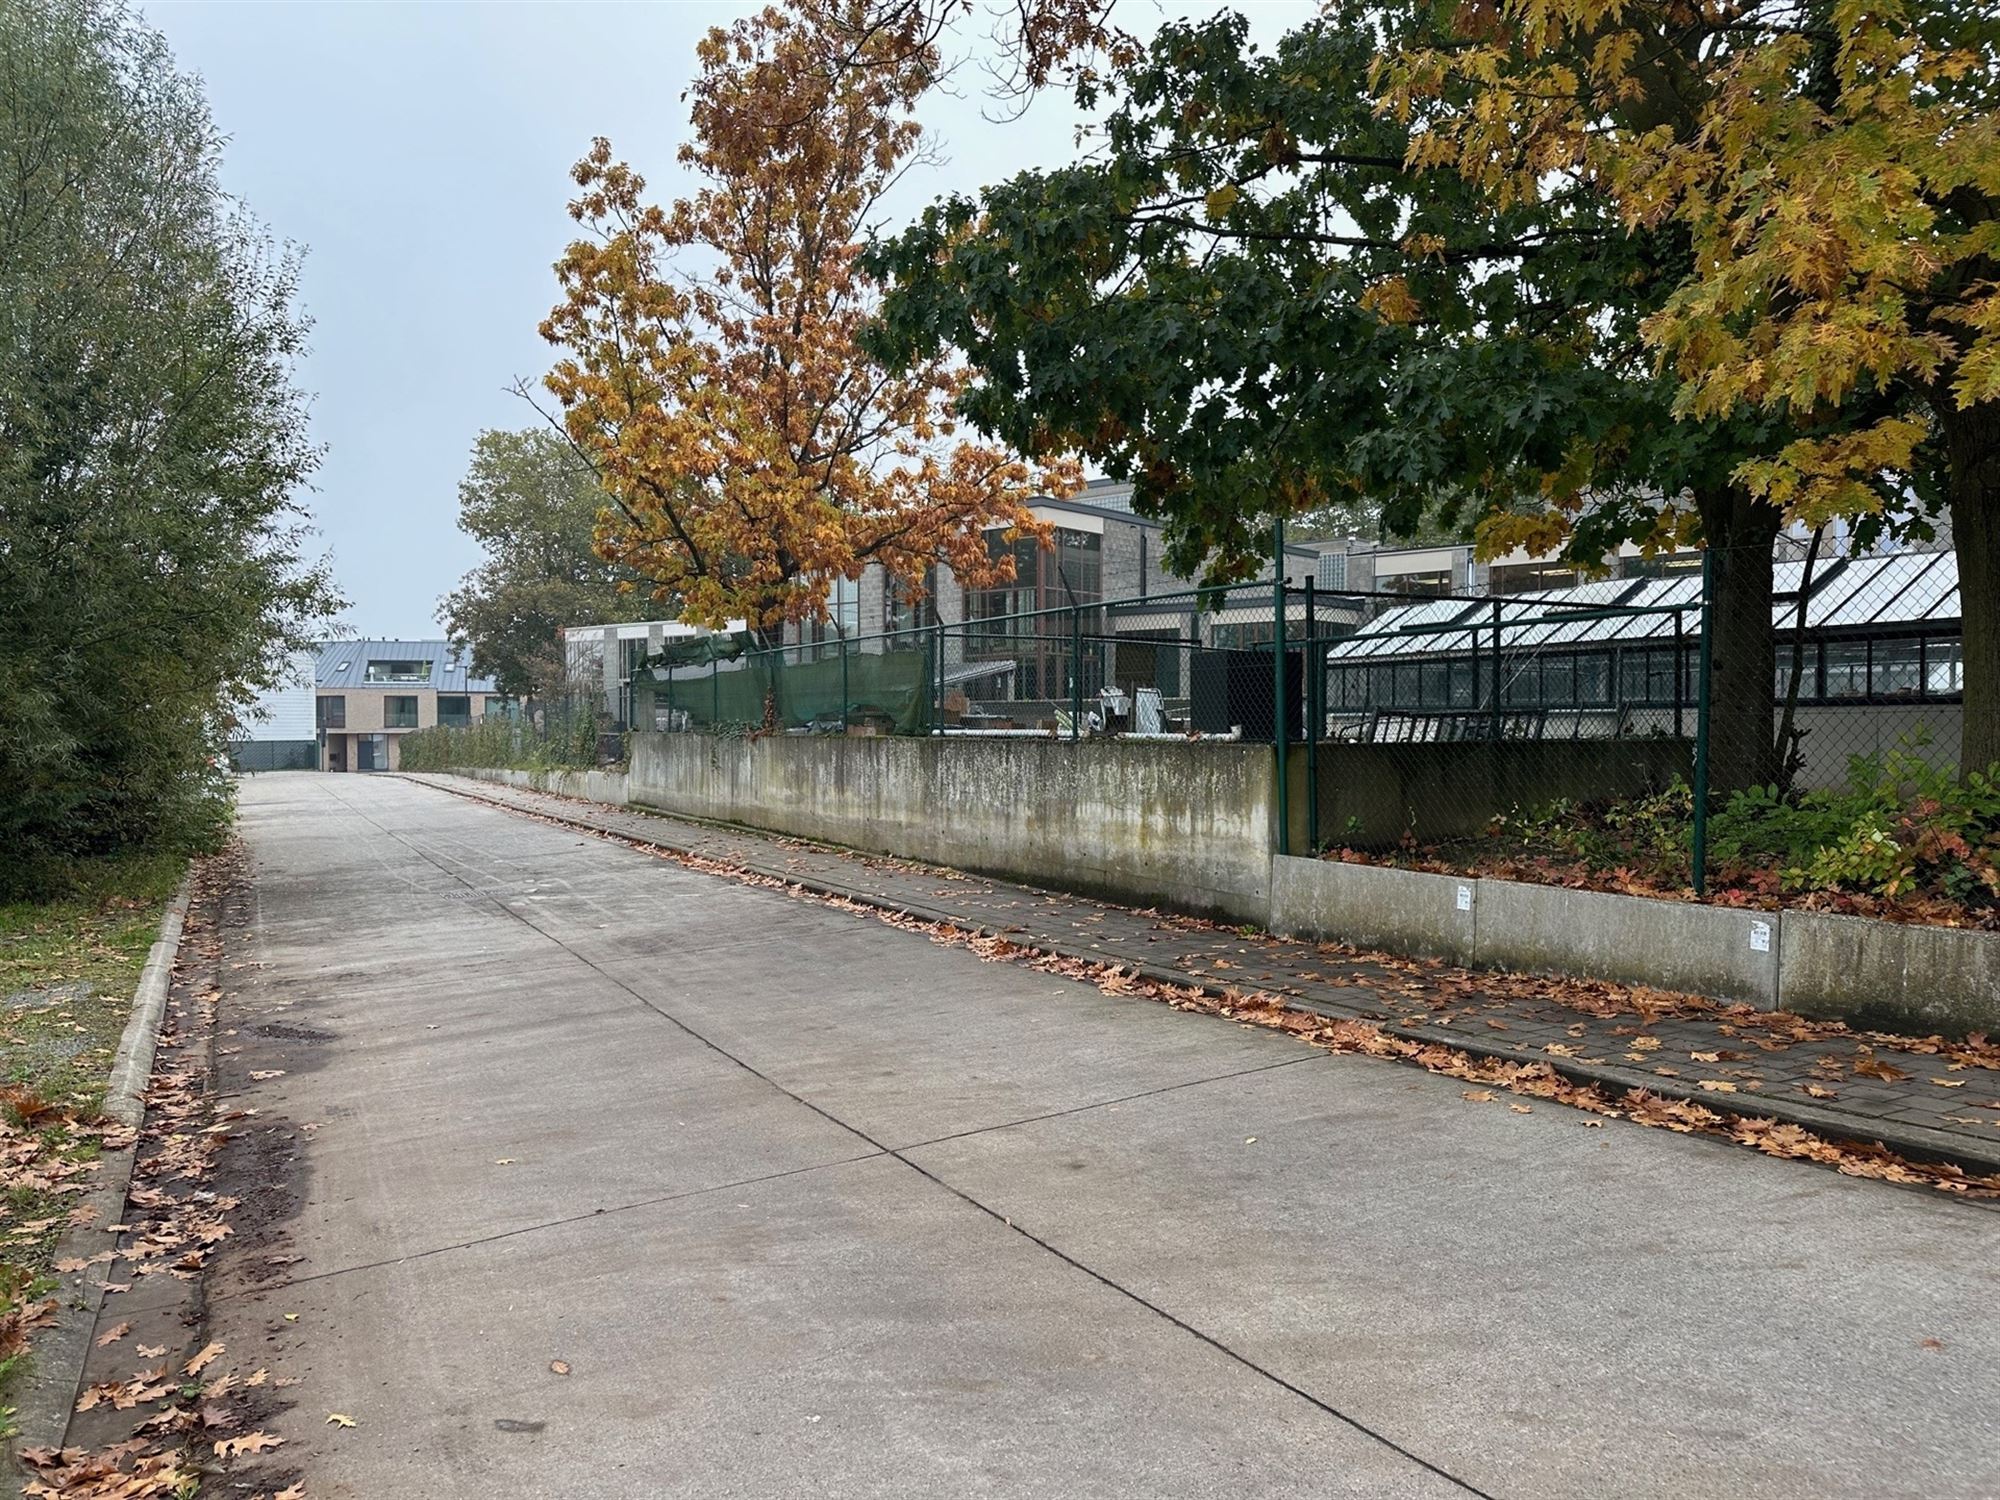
{"points": [[368, 694]]}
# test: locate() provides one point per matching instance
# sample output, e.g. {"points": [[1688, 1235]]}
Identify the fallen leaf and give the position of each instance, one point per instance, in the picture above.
{"points": [[113, 1335], [254, 1442], [1593, 1124], [1521, 1109], [1718, 1085], [1478, 1096], [1249, 1140], [1706, 1056], [1949, 1083], [560, 1366], [1887, 1072], [150, 1351], [1819, 1093], [203, 1360], [1930, 1344], [291, 1492], [339, 1419]]}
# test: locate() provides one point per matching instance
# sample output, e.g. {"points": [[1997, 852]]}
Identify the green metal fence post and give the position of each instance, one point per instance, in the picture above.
{"points": [[843, 682], [942, 627], [714, 691], [1315, 665], [1701, 724], [1075, 672], [1278, 725]]}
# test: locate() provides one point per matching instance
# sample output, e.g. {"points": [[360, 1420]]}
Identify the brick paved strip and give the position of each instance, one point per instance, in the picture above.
{"points": [[1729, 1059]]}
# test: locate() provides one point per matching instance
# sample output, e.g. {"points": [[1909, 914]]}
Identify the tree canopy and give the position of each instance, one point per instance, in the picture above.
{"points": [[532, 505], [751, 450], [152, 443], [1254, 299]]}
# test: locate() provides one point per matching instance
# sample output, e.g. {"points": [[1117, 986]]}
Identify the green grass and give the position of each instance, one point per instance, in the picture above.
{"points": [[58, 1053]]}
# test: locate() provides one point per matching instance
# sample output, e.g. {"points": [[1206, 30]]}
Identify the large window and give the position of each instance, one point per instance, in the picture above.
{"points": [[454, 709], [1431, 584], [1895, 669], [1944, 668], [399, 713], [1531, 577], [1846, 669], [399, 671], [332, 711]]}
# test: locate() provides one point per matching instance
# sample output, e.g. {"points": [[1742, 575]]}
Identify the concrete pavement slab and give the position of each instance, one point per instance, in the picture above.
{"points": [[1196, 1268], [846, 1332], [1561, 1309]]}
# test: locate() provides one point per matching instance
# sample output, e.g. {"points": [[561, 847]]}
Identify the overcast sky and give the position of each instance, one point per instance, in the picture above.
{"points": [[420, 153]]}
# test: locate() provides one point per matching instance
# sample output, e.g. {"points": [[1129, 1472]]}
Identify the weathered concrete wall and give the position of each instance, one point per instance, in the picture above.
{"points": [[1372, 906], [1669, 945], [1890, 974], [592, 786], [1371, 795], [1185, 825]]}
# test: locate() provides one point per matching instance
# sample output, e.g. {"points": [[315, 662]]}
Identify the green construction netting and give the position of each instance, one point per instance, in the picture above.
{"points": [[891, 689]]}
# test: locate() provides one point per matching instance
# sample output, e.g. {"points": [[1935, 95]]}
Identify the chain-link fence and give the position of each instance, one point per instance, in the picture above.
{"points": [[1766, 719], [1189, 665]]}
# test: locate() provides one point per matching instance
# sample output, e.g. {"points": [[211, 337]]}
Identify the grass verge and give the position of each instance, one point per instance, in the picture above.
{"points": [[67, 971]]}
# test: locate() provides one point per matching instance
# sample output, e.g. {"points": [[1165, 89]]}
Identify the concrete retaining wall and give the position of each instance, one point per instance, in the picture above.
{"points": [[1372, 906], [592, 786], [1890, 975], [1669, 945], [1182, 825]]}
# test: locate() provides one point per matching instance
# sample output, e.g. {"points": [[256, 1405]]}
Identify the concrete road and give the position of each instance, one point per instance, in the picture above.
{"points": [[809, 1206]]}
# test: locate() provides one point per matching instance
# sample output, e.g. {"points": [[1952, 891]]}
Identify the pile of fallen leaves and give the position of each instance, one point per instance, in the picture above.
{"points": [[198, 1413]]}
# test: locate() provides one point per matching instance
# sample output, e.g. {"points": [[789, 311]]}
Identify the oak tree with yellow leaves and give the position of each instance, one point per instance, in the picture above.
{"points": [[750, 450]]}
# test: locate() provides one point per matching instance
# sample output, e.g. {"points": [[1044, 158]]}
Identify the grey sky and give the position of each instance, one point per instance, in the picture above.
{"points": [[421, 153]]}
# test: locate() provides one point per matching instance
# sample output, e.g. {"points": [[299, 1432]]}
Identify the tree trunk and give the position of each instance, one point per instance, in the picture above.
{"points": [[1972, 447], [1739, 531]]}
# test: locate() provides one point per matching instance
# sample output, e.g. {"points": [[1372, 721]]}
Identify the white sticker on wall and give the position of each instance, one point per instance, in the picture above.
{"points": [[1465, 898], [1760, 937]]}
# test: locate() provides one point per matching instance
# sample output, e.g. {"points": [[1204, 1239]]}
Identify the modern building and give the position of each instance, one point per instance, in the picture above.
{"points": [[371, 693], [275, 732]]}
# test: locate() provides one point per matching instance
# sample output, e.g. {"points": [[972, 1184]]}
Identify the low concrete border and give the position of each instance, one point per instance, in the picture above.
{"points": [[1723, 951], [1373, 906], [1913, 1141], [48, 1390], [1893, 976]]}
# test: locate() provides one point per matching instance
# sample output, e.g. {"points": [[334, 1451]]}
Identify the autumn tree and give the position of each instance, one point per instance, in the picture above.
{"points": [[751, 451], [531, 503], [1252, 300], [1834, 167]]}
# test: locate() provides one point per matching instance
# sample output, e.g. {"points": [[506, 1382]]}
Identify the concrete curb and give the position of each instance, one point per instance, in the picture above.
{"points": [[1914, 1141], [132, 1068], [48, 1391]]}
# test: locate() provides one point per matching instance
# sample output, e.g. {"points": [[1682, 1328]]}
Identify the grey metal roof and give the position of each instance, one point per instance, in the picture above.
{"points": [[1905, 588], [344, 664]]}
